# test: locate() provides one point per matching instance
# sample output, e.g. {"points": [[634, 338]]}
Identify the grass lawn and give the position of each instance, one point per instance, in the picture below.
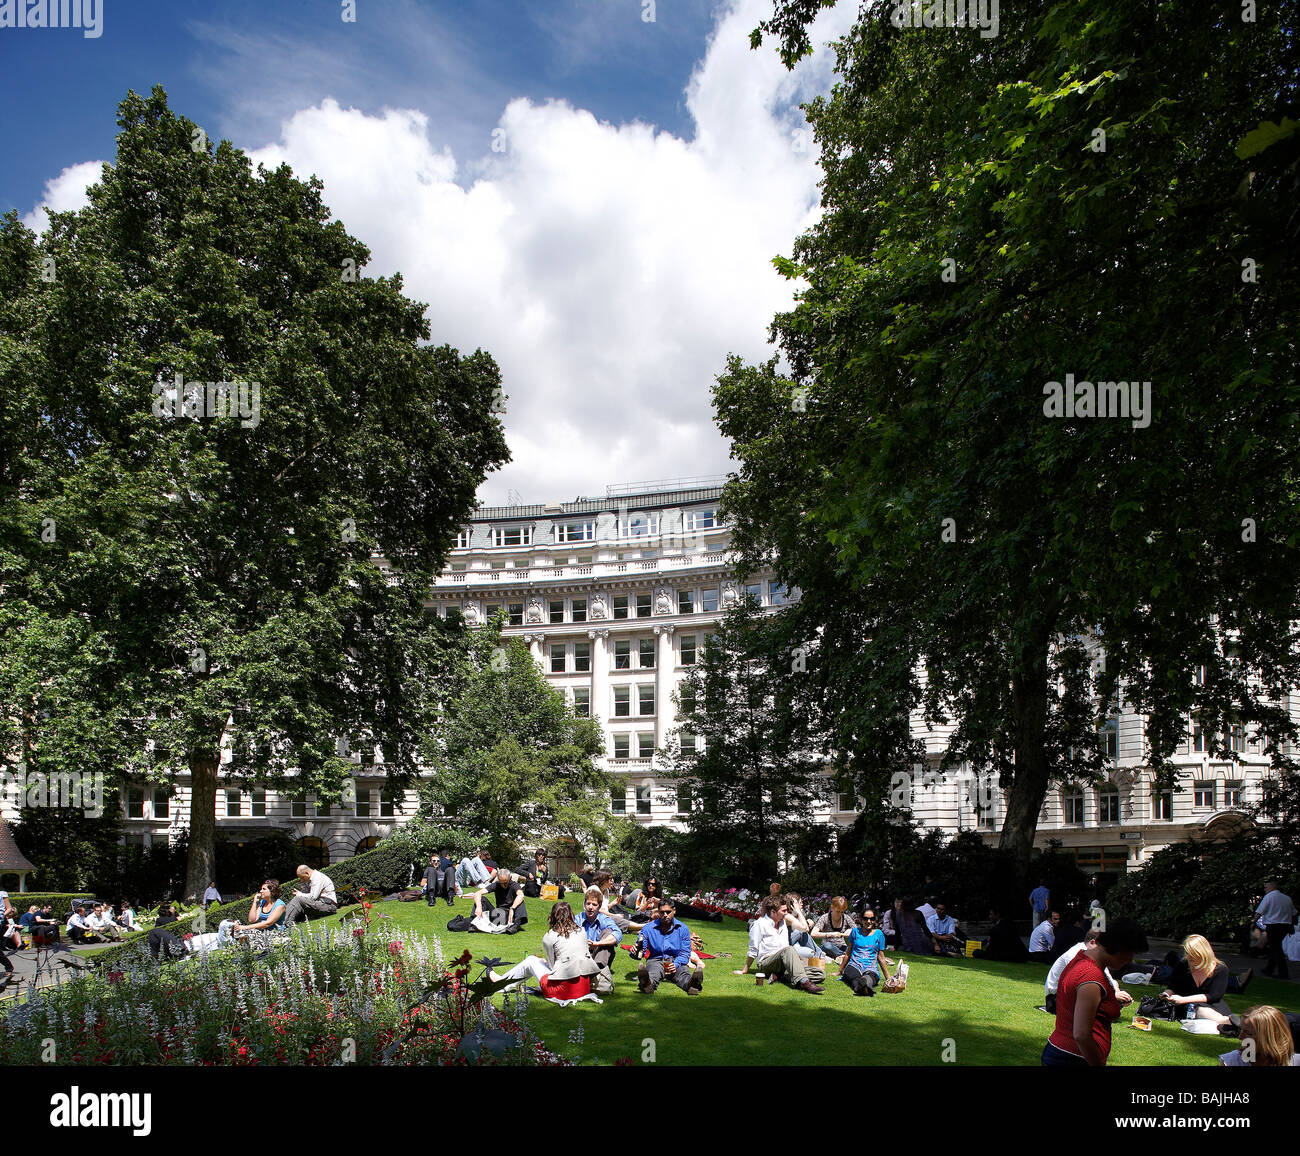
{"points": [[986, 1011]]}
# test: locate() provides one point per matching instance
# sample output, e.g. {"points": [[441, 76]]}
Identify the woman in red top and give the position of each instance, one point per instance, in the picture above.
{"points": [[1086, 1005]]}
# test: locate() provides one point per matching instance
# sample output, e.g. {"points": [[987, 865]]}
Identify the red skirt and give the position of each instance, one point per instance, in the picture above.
{"points": [[566, 988]]}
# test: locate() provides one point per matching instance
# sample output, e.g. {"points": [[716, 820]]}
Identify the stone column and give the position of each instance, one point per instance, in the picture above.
{"points": [[664, 668], [601, 707], [535, 645]]}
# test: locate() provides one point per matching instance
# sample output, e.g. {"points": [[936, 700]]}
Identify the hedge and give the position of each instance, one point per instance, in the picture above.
{"points": [[61, 901], [385, 868]]}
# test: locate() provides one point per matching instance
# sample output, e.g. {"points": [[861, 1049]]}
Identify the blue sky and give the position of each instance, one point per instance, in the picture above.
{"points": [[609, 257]]}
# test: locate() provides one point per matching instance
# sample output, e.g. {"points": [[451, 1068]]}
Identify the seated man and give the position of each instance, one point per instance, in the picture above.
{"points": [[47, 926], [439, 877], [602, 935], [79, 930], [604, 881], [508, 897], [1042, 938], [319, 898], [161, 940], [1003, 944], [102, 923], [668, 947], [943, 930], [1068, 932], [771, 951], [473, 871]]}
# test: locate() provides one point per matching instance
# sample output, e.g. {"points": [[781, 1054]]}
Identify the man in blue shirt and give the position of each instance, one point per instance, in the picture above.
{"points": [[602, 935], [668, 947], [1042, 939], [943, 930], [1039, 901]]}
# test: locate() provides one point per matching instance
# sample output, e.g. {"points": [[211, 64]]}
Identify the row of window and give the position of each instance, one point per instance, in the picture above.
{"points": [[629, 654], [643, 794], [1205, 796], [632, 525], [644, 744], [561, 610], [364, 807]]}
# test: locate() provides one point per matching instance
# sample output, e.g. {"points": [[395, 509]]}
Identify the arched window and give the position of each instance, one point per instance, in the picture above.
{"points": [[366, 844], [1108, 803], [315, 853]]}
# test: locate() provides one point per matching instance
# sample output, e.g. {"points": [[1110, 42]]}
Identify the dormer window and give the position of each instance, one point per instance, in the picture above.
{"points": [[512, 536], [638, 526], [576, 532]]}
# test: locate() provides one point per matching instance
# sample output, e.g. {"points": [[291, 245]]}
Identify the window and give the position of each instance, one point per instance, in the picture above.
{"points": [[620, 605], [638, 525], [709, 600], [1107, 804], [847, 801], [579, 610], [1235, 738], [754, 590], [645, 699], [582, 656], [1234, 793], [686, 697], [1203, 793], [701, 519], [512, 535], [1072, 807], [622, 701], [1162, 803], [557, 611], [618, 800], [134, 803], [361, 808], [645, 746], [623, 655], [1108, 736], [298, 807], [141, 840], [369, 843], [643, 605], [777, 593], [683, 799], [582, 702], [462, 538], [646, 653], [1198, 676], [643, 799], [688, 650], [621, 744], [162, 803], [557, 658], [1199, 743], [233, 803], [688, 744], [322, 809], [257, 804], [314, 852], [576, 532], [516, 611], [386, 802], [985, 815], [490, 609], [686, 602]]}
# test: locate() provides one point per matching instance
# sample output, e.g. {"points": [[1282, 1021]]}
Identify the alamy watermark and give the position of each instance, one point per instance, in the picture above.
{"points": [[1123, 399], [981, 14], [20, 788], [200, 399], [88, 15]]}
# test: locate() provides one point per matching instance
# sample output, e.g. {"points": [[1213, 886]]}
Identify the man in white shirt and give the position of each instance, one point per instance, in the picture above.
{"points": [[770, 949], [1053, 981], [1042, 938], [101, 923], [79, 929], [319, 898], [1277, 913]]}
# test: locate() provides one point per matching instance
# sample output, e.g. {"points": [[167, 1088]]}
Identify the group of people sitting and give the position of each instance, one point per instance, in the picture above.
{"points": [[100, 922]]}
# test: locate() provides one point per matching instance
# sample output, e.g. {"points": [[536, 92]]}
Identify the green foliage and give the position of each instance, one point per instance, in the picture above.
{"points": [[959, 549], [512, 760], [70, 850], [165, 574], [60, 901], [1208, 889]]}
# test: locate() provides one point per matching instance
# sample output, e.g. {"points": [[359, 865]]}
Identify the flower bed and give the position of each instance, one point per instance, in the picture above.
{"points": [[370, 998]]}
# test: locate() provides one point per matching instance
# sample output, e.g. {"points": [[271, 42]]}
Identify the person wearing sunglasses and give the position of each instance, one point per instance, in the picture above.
{"points": [[866, 959]]}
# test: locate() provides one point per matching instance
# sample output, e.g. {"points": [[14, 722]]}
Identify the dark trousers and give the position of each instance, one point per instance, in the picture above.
{"points": [[655, 975], [444, 884], [1053, 1057], [1277, 932], [862, 982]]}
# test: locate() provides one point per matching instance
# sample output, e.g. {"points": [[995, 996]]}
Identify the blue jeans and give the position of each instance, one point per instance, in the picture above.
{"points": [[1053, 1057], [800, 940]]}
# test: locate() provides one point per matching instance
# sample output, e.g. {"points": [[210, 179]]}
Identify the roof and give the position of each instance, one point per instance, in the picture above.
{"points": [[649, 498], [11, 859]]}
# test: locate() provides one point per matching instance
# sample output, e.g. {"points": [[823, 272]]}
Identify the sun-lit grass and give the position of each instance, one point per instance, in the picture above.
{"points": [[976, 1012]]}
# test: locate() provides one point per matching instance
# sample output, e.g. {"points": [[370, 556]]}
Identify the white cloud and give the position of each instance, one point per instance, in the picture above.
{"points": [[65, 192]]}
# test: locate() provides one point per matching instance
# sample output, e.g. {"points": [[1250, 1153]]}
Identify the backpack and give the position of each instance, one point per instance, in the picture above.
{"points": [[458, 923]]}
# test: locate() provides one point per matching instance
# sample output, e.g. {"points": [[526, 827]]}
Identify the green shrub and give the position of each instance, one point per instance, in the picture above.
{"points": [[61, 901]]}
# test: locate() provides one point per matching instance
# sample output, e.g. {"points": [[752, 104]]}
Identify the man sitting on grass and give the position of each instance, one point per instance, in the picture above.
{"points": [[943, 929], [602, 935], [771, 951], [668, 944], [1042, 938], [79, 930], [509, 906]]}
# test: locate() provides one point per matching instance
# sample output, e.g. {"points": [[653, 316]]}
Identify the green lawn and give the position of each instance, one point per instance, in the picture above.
{"points": [[985, 1013]]}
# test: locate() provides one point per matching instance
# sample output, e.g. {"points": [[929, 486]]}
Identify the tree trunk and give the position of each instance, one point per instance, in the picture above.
{"points": [[1029, 786], [202, 867]]}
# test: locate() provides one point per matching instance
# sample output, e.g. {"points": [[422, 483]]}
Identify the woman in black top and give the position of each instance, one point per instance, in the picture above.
{"points": [[1201, 979]]}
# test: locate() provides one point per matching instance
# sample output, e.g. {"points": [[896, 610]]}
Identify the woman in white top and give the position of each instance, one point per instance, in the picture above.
{"points": [[565, 974], [1265, 1042]]}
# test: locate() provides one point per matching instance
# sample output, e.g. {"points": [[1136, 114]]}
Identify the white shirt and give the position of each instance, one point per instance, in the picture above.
{"points": [[1276, 908], [322, 887], [76, 919], [1044, 935], [1058, 970], [927, 912], [767, 938], [99, 922]]}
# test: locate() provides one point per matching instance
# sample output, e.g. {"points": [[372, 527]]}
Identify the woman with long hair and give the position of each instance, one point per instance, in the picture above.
{"points": [[565, 974], [1200, 980], [1266, 1042]]}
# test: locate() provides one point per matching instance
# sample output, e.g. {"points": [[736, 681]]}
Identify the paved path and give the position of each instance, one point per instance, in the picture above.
{"points": [[46, 971]]}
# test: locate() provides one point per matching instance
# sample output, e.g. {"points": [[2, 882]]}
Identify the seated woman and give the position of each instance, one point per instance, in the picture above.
{"points": [[1003, 944], [1201, 979], [565, 974], [1270, 1042], [908, 931], [832, 929], [647, 898], [266, 918]]}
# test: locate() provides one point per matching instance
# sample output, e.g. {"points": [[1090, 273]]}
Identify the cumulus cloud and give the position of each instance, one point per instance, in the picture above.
{"points": [[65, 192]]}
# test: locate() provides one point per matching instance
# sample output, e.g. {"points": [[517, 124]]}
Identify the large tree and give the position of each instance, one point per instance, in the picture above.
{"points": [[180, 572], [1093, 194], [753, 766]]}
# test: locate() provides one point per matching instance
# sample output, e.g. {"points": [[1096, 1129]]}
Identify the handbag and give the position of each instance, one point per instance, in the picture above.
{"points": [[896, 982], [550, 891], [1157, 1008]]}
